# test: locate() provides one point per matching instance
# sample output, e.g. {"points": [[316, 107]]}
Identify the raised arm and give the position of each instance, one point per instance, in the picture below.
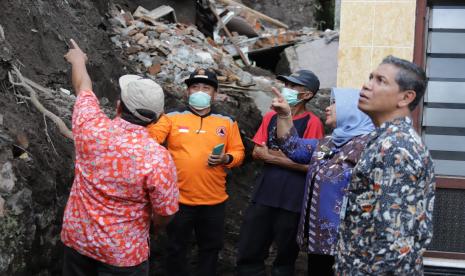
{"points": [[282, 108], [80, 77]]}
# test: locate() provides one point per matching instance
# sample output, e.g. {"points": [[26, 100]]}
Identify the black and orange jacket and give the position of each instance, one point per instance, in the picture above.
{"points": [[190, 139]]}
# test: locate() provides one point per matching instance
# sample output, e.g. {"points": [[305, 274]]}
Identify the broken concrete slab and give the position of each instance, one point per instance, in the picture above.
{"points": [[317, 56], [163, 11]]}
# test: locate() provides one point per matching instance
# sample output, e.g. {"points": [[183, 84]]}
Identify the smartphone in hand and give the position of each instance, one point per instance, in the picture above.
{"points": [[218, 149]]}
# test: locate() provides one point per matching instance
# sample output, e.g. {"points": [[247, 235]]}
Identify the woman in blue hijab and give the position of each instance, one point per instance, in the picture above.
{"points": [[331, 161]]}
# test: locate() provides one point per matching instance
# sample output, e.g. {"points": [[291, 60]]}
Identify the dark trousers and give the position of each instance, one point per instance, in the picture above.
{"points": [[207, 222], [261, 226], [76, 264], [320, 265]]}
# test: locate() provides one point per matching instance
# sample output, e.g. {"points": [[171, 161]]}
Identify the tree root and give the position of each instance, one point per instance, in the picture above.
{"points": [[17, 79]]}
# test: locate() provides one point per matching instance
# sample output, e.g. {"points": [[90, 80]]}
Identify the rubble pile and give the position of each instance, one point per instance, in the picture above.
{"points": [[169, 51]]}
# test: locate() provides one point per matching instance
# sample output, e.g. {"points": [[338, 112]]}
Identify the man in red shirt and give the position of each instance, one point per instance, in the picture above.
{"points": [[273, 215], [123, 178]]}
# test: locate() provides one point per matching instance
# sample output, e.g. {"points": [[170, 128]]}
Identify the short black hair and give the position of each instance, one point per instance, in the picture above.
{"points": [[409, 77], [128, 116]]}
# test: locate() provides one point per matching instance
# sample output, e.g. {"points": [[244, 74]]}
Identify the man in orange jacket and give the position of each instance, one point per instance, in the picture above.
{"points": [[190, 134]]}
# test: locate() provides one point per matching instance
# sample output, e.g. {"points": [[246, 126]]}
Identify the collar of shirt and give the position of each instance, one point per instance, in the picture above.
{"points": [[397, 122], [119, 122], [389, 125]]}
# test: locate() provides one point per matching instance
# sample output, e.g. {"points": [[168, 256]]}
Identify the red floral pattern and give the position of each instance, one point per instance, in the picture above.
{"points": [[121, 177]]}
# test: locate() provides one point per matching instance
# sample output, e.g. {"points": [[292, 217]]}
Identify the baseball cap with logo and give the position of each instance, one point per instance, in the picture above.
{"points": [[202, 76], [303, 77], [139, 94]]}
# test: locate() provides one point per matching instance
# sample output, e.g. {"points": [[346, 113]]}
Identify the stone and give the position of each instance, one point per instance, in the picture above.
{"points": [[116, 40], [154, 69], [65, 91], [5, 139], [152, 34], [20, 201], [7, 178], [133, 50], [137, 36], [143, 40], [2, 207]]}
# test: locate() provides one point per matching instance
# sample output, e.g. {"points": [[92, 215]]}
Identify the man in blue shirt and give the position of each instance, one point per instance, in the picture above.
{"points": [[388, 219]]}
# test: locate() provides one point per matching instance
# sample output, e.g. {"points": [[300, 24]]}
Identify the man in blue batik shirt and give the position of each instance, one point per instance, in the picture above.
{"points": [[387, 222]]}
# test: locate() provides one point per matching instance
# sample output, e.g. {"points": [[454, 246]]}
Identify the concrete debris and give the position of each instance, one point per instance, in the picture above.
{"points": [[65, 91], [160, 12], [169, 52], [319, 56], [256, 36]]}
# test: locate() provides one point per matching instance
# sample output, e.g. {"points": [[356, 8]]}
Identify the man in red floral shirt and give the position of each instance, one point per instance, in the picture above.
{"points": [[123, 178]]}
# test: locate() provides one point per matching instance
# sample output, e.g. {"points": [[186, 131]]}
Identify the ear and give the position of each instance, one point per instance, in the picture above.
{"points": [[307, 95], [407, 97], [214, 95], [187, 93]]}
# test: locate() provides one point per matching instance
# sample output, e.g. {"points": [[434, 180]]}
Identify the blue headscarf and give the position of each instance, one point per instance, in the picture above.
{"points": [[350, 121]]}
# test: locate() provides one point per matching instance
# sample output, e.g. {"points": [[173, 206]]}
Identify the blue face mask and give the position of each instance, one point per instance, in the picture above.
{"points": [[291, 96], [199, 100]]}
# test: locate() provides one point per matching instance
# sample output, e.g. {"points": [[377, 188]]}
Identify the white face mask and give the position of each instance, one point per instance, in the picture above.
{"points": [[199, 100]]}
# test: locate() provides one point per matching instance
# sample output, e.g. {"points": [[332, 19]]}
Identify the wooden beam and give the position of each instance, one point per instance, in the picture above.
{"points": [[419, 52], [450, 183], [228, 33], [259, 14], [445, 255]]}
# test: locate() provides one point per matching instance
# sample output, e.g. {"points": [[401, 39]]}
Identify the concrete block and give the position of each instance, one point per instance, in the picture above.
{"points": [[317, 56]]}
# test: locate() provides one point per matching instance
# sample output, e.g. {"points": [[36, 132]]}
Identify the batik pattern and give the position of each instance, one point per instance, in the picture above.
{"points": [[388, 222], [329, 173]]}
